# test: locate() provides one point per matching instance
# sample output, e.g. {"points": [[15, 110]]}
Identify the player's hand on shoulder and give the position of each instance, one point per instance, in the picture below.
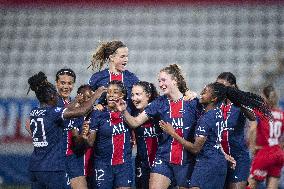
{"points": [[190, 95]]}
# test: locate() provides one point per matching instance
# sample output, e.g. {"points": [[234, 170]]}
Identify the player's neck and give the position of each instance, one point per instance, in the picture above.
{"points": [[113, 70], [175, 95]]}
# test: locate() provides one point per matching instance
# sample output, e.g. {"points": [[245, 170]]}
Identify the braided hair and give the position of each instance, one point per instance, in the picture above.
{"points": [[149, 89], [240, 98], [175, 71], [102, 53], [43, 89]]}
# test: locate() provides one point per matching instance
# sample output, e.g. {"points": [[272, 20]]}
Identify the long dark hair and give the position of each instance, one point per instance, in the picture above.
{"points": [[240, 98]]}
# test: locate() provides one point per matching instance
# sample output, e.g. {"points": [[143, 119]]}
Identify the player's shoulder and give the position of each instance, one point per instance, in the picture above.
{"points": [[131, 75], [100, 74]]}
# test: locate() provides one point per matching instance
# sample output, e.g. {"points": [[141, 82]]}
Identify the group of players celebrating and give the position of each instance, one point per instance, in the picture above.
{"points": [[183, 140]]}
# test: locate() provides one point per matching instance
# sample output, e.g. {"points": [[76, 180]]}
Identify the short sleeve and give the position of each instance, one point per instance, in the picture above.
{"points": [[152, 110], [57, 113]]}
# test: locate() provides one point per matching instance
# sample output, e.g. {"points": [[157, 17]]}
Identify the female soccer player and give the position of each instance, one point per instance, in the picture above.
{"points": [[147, 135], [172, 163], [111, 138], [211, 166], [115, 53], [79, 159], [233, 140], [65, 79], [264, 139], [46, 166]]}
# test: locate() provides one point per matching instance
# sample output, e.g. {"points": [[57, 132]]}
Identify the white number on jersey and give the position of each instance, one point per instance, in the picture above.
{"points": [[38, 127], [274, 132]]}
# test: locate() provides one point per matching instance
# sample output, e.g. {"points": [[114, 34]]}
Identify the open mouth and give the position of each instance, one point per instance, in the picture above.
{"points": [[113, 100], [136, 103]]}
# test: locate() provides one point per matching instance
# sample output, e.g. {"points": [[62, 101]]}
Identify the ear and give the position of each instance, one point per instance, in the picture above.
{"points": [[111, 57]]}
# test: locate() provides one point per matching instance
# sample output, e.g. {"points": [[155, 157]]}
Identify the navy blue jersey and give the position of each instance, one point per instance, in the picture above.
{"points": [[112, 144], [148, 136], [233, 137], [46, 127], [68, 126], [102, 78], [211, 125], [183, 116]]}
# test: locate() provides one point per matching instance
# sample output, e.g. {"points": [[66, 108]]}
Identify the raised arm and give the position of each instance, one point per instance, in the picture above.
{"points": [[248, 113], [133, 122], [192, 147], [85, 106]]}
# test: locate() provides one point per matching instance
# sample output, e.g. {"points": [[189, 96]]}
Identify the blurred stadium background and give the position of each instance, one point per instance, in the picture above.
{"points": [[204, 37]]}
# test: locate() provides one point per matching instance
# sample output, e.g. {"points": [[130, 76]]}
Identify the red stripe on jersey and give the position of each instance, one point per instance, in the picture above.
{"points": [[176, 108], [69, 150], [176, 149], [118, 140], [88, 162], [176, 154], [152, 146], [225, 134], [115, 77]]}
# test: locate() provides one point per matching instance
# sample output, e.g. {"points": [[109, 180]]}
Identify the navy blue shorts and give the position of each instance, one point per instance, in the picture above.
{"points": [[209, 174], [241, 172], [178, 174], [142, 172], [113, 176], [48, 179], [74, 166]]}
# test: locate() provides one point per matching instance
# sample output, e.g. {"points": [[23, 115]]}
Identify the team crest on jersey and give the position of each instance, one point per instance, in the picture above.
{"points": [[57, 109]]}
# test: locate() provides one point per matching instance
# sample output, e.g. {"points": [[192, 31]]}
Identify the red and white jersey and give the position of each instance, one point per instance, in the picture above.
{"points": [[270, 131]]}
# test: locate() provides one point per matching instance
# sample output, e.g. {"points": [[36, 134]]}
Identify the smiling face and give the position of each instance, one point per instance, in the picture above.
{"points": [[206, 96], [166, 83], [114, 93], [119, 59], [64, 85], [139, 97]]}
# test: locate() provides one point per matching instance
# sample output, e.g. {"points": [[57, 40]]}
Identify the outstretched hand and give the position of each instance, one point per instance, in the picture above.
{"points": [[190, 95], [167, 127]]}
